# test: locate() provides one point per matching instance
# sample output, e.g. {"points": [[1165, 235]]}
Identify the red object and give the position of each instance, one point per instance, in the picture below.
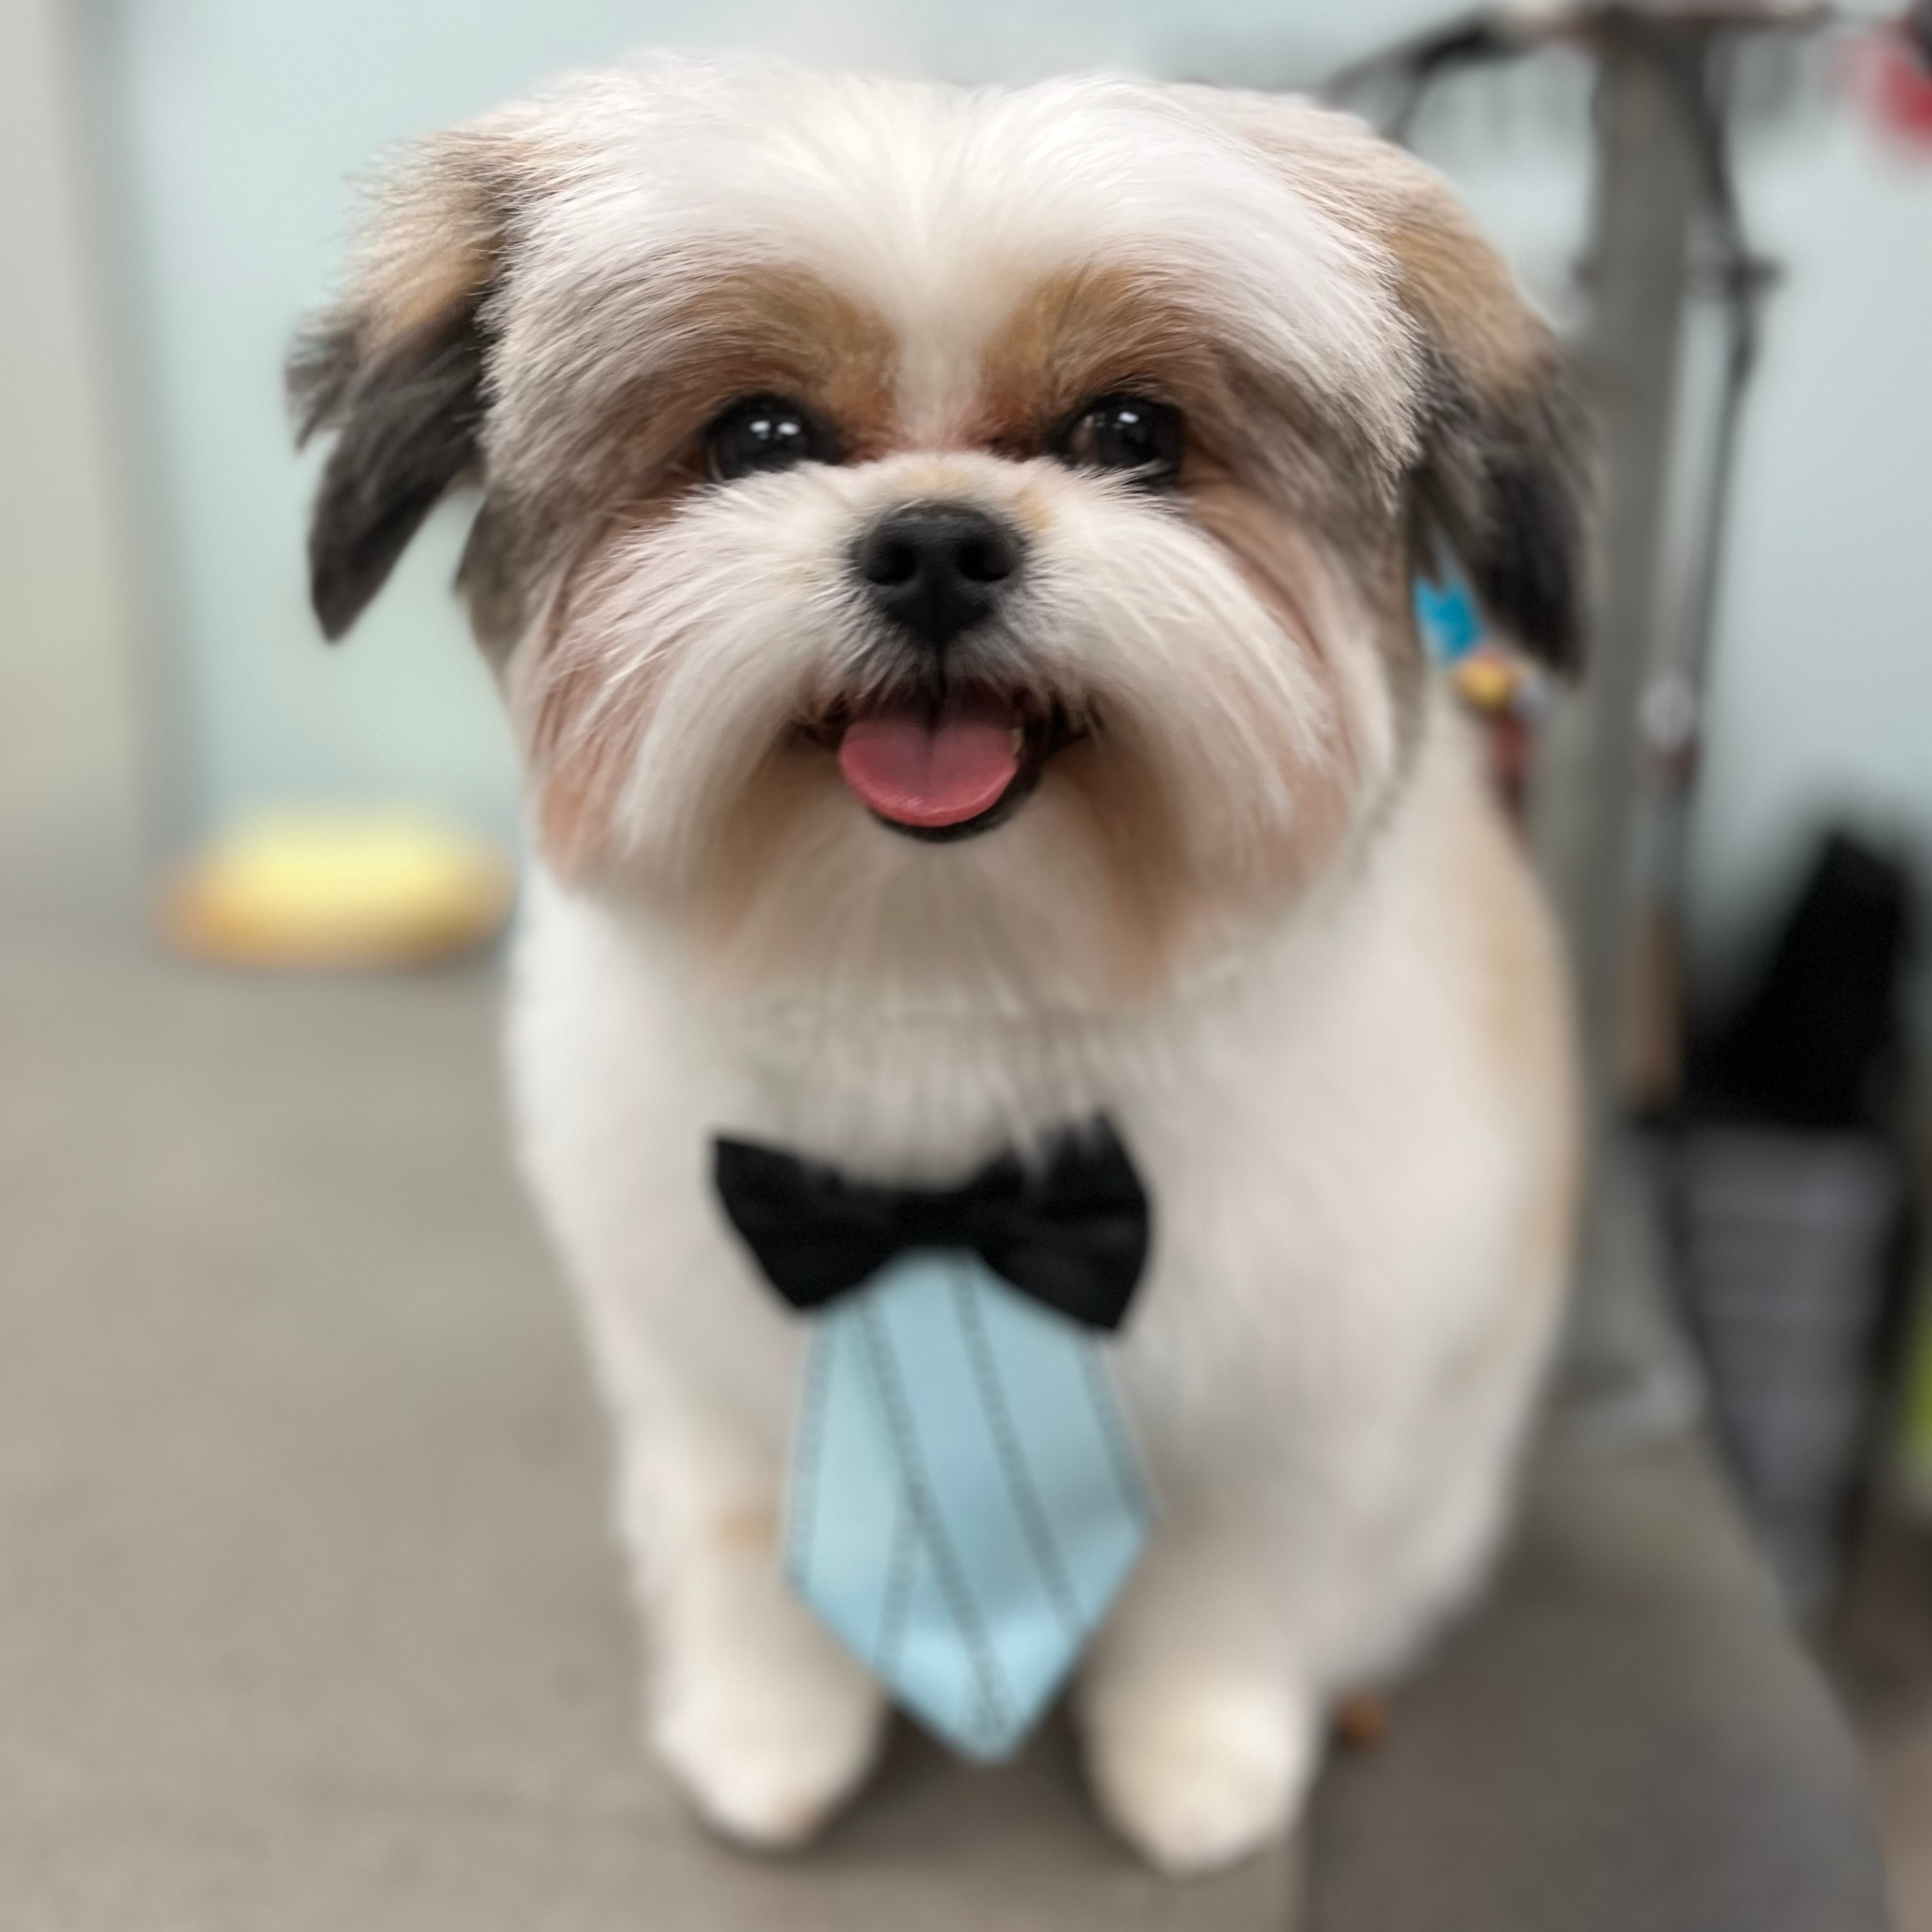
{"points": [[1891, 75]]}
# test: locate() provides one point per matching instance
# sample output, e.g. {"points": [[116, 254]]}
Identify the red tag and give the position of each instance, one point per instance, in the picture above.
{"points": [[1889, 73]]}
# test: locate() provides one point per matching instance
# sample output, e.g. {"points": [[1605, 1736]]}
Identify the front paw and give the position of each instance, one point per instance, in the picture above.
{"points": [[766, 1754], [1197, 1775]]}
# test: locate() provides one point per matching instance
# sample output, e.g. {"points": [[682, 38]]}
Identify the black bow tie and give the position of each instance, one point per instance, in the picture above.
{"points": [[1071, 1232]]}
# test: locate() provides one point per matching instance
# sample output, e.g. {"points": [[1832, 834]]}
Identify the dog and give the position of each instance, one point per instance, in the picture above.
{"points": [[948, 556]]}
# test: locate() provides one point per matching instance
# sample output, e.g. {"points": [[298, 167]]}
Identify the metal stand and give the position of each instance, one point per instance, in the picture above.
{"points": [[1602, 794], [1627, 1374]]}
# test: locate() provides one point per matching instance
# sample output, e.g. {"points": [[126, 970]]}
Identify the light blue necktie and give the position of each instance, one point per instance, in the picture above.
{"points": [[964, 1502]]}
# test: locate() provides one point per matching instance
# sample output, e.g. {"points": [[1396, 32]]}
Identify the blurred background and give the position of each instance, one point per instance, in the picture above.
{"points": [[176, 191]]}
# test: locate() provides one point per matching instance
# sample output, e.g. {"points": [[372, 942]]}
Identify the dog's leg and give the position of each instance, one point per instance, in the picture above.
{"points": [[765, 1720], [1201, 1734]]}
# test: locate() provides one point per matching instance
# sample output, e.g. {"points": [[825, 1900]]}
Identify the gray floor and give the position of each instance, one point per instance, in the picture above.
{"points": [[307, 1617], [1882, 1647]]}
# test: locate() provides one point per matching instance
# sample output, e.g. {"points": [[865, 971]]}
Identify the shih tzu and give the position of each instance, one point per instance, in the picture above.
{"points": [[949, 557]]}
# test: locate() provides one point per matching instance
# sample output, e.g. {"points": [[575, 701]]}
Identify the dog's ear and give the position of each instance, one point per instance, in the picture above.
{"points": [[1503, 473], [1501, 466], [398, 369]]}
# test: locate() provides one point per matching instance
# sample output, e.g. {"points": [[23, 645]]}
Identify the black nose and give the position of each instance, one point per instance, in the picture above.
{"points": [[937, 569]]}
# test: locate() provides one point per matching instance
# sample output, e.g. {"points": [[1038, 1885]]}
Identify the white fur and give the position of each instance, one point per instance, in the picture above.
{"points": [[1340, 1177], [932, 204], [1331, 1030]]}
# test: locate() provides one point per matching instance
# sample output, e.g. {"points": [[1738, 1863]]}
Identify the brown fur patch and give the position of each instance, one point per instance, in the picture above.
{"points": [[751, 330], [1523, 1020], [1465, 294], [1098, 331], [437, 236], [1447, 277], [1162, 901], [583, 744], [1503, 474], [1131, 825], [751, 1526], [1363, 1721], [1081, 335], [739, 332], [1271, 554], [1276, 560], [791, 782]]}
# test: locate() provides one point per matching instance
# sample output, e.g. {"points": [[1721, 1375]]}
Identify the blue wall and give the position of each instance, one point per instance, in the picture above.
{"points": [[243, 123]]}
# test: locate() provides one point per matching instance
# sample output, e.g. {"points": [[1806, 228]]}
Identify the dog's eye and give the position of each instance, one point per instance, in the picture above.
{"points": [[763, 433], [1141, 439]]}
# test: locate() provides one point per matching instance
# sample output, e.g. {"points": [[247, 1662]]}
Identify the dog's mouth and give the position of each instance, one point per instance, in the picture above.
{"points": [[950, 768]]}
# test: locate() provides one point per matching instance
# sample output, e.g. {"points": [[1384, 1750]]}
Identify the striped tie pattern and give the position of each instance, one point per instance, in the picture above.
{"points": [[965, 1502]]}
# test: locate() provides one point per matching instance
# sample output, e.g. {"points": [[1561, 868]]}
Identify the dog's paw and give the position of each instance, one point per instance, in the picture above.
{"points": [[1199, 1777], [768, 1758]]}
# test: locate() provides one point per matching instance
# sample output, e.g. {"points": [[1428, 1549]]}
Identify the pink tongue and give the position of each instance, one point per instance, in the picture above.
{"points": [[916, 770]]}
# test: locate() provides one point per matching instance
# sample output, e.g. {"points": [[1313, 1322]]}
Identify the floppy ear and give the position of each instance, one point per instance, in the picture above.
{"points": [[1501, 469], [398, 370]]}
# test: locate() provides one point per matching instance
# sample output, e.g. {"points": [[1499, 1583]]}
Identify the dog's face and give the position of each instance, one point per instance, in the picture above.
{"points": [[944, 545]]}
